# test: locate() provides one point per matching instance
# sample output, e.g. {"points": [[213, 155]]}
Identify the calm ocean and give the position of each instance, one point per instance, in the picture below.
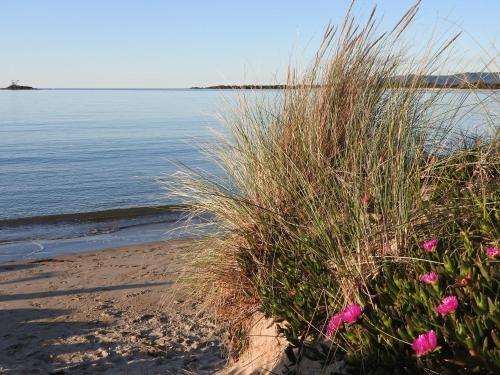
{"points": [[80, 151]]}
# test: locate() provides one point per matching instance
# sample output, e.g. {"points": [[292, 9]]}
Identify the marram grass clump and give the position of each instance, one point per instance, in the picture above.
{"points": [[329, 193]]}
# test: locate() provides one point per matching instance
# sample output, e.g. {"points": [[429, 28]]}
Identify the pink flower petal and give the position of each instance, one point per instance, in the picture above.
{"points": [[429, 278], [425, 343], [448, 305], [430, 245], [351, 313], [334, 323], [492, 252]]}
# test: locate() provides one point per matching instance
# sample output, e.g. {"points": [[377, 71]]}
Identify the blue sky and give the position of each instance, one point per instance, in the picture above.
{"points": [[162, 43]]}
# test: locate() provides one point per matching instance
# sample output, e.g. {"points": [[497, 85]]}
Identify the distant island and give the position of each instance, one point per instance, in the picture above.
{"points": [[15, 86], [479, 81]]}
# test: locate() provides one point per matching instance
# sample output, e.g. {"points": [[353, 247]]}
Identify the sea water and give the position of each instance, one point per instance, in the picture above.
{"points": [[66, 154]]}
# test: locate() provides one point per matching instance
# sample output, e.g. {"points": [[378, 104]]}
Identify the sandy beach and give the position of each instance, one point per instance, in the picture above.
{"points": [[107, 312]]}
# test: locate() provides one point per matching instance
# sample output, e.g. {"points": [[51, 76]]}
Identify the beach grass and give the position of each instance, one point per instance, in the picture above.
{"points": [[330, 190]]}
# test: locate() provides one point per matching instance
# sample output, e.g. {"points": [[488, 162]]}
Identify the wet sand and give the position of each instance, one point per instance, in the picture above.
{"points": [[105, 312]]}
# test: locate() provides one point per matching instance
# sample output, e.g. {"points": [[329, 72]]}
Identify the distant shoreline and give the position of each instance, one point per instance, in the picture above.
{"points": [[245, 87], [242, 87], [479, 87], [459, 81]]}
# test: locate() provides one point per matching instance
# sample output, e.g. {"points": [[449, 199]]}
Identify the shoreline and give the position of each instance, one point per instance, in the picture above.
{"points": [[75, 233], [108, 311]]}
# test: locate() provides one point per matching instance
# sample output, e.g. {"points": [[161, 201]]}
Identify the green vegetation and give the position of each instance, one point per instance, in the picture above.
{"points": [[330, 193], [404, 297]]}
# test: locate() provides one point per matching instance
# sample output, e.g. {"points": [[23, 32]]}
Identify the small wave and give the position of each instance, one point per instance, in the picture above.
{"points": [[95, 216], [40, 248]]}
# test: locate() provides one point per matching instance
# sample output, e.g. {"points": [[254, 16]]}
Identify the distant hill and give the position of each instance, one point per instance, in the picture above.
{"points": [[467, 80], [490, 80]]}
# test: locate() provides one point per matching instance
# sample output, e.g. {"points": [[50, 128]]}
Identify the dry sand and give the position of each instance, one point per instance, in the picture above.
{"points": [[106, 312]]}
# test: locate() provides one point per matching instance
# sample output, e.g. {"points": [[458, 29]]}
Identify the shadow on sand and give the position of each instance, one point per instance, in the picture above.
{"points": [[25, 338], [43, 275], [66, 292], [6, 267]]}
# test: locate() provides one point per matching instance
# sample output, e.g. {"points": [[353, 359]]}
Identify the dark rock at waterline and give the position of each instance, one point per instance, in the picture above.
{"points": [[15, 86]]}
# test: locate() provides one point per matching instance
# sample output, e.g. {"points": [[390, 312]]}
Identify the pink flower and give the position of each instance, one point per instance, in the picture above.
{"points": [[448, 305], [492, 252], [430, 245], [351, 313], [425, 343], [334, 323], [366, 200], [429, 278]]}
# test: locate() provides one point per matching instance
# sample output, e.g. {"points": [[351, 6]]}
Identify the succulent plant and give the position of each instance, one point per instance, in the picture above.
{"points": [[440, 310]]}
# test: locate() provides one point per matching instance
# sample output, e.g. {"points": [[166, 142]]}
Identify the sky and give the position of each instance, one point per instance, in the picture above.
{"points": [[167, 43]]}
